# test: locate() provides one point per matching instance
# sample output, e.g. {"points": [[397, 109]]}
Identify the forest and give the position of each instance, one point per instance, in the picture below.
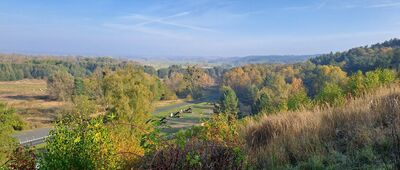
{"points": [[333, 111]]}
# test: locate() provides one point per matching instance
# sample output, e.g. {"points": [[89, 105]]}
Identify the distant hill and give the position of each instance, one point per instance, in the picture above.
{"points": [[284, 59], [366, 58], [230, 61]]}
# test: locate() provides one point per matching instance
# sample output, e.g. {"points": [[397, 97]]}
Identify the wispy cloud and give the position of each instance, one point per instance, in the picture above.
{"points": [[385, 5], [147, 20], [317, 6], [344, 5]]}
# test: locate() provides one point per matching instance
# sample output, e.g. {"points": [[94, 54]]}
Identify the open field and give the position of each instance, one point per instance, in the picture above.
{"points": [[200, 111], [30, 99]]}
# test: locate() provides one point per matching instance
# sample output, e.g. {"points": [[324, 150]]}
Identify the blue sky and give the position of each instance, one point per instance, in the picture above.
{"points": [[194, 27]]}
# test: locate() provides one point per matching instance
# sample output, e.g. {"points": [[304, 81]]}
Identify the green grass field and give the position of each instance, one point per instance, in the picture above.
{"points": [[200, 112]]}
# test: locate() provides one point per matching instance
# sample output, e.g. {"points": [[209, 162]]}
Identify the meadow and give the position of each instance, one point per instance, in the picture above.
{"points": [[29, 98]]}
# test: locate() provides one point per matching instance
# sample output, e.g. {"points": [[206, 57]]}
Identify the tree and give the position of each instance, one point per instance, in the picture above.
{"points": [[298, 100], [316, 78], [332, 95], [196, 80], [357, 85], [228, 101], [129, 97], [79, 87], [386, 76], [263, 104], [60, 86]]}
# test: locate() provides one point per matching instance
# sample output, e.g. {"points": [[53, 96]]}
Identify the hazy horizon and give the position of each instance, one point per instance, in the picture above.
{"points": [[201, 28]]}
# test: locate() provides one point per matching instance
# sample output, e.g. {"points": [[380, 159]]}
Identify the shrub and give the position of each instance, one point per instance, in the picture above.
{"points": [[213, 146], [79, 144], [22, 158]]}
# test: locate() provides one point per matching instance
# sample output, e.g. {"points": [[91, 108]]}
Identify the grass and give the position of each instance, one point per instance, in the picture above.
{"points": [[164, 103], [200, 111], [363, 134], [30, 99]]}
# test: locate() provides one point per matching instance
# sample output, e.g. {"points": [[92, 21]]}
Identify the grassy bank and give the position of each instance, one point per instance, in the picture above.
{"points": [[363, 134]]}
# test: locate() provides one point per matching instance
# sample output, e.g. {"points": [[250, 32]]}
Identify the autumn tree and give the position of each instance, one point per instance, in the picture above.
{"points": [[129, 95], [298, 96], [316, 78], [60, 86], [197, 79]]}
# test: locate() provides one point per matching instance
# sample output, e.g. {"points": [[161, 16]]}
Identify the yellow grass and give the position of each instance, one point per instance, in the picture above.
{"points": [[30, 99], [290, 137]]}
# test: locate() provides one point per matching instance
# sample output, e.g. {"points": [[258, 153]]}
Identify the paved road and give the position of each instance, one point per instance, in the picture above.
{"points": [[32, 137], [38, 136]]}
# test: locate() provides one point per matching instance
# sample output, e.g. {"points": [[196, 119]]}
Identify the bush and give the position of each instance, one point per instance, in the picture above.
{"points": [[214, 145], [198, 154], [331, 95], [22, 158], [9, 123], [79, 144]]}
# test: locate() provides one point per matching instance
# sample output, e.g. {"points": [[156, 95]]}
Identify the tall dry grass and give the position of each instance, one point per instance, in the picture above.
{"points": [[366, 131]]}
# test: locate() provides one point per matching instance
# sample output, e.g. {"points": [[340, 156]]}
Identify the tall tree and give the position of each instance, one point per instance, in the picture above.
{"points": [[229, 102], [60, 86]]}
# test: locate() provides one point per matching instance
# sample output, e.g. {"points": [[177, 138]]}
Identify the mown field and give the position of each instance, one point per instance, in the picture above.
{"points": [[30, 99], [200, 112]]}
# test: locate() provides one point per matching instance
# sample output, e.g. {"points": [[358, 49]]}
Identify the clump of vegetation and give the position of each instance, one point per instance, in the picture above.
{"points": [[211, 146], [9, 123], [22, 158], [79, 144]]}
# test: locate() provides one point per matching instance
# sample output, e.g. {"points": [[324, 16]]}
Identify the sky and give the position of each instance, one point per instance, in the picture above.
{"points": [[220, 28]]}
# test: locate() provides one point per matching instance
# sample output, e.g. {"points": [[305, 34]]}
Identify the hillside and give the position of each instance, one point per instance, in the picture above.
{"points": [[363, 134], [271, 59], [380, 55]]}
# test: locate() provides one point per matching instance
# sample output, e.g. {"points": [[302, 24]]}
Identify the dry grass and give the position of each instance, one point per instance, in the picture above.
{"points": [[293, 137], [29, 97]]}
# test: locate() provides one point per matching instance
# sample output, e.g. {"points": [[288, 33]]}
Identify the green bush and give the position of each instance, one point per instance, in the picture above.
{"points": [[79, 144], [9, 123]]}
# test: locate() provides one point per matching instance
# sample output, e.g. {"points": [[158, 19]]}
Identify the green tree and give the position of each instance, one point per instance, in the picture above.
{"points": [[386, 76], [332, 95], [228, 101], [357, 85], [79, 87], [372, 80], [298, 100], [129, 96], [263, 104]]}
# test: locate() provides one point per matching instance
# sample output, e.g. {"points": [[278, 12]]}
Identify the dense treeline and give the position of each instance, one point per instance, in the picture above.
{"points": [[367, 58], [16, 67]]}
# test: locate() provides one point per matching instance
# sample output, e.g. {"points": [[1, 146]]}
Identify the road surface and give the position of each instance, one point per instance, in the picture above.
{"points": [[32, 137]]}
